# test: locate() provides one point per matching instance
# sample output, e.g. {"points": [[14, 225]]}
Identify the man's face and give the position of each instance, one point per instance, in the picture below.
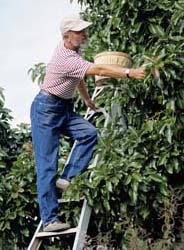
{"points": [[78, 38]]}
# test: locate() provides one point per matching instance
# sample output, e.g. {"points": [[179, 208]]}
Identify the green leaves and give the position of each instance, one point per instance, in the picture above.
{"points": [[136, 168], [38, 72], [147, 157], [17, 192], [156, 30]]}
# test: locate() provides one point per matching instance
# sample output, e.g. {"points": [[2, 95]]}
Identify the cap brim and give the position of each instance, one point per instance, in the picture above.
{"points": [[82, 26]]}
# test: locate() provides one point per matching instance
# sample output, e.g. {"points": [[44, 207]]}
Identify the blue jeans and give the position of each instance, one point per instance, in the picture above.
{"points": [[50, 118]]}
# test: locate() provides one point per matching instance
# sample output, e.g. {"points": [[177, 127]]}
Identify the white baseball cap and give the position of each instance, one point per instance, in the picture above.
{"points": [[73, 23]]}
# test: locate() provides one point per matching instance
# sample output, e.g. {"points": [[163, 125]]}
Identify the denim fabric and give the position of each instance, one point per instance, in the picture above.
{"points": [[50, 118]]}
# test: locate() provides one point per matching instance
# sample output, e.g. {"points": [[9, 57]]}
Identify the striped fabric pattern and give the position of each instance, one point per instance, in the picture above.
{"points": [[63, 73]]}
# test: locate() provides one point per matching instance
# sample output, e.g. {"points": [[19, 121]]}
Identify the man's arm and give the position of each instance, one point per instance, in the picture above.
{"points": [[115, 71], [85, 96]]}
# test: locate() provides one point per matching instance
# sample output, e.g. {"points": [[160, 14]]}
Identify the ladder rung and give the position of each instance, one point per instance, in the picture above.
{"points": [[68, 201], [52, 234]]}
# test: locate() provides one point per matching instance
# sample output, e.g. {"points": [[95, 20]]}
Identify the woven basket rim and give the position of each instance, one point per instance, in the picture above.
{"points": [[115, 53]]}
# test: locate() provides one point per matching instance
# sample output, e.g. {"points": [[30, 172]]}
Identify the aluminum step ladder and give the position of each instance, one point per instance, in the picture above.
{"points": [[80, 231]]}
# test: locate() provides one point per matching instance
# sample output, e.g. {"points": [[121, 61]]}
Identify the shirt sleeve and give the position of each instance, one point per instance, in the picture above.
{"points": [[75, 66]]}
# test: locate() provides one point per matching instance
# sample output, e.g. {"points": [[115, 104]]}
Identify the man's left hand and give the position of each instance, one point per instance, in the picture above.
{"points": [[91, 104]]}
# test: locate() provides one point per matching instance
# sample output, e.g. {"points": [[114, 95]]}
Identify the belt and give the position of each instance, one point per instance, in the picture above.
{"points": [[57, 98]]}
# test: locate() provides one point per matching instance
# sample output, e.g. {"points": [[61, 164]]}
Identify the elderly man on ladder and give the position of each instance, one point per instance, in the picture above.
{"points": [[52, 115]]}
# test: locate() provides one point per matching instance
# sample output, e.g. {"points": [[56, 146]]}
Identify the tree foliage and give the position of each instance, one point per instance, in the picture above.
{"points": [[138, 170], [136, 189], [18, 207]]}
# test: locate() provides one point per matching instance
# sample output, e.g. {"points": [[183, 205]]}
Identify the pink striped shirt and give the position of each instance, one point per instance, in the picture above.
{"points": [[64, 72]]}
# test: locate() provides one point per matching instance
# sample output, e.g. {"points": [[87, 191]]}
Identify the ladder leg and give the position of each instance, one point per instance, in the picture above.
{"points": [[35, 242], [82, 227]]}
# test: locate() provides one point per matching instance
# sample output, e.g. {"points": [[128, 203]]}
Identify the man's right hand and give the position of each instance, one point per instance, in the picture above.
{"points": [[139, 73]]}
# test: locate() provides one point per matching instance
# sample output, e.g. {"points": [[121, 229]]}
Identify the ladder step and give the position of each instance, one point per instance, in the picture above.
{"points": [[69, 201], [53, 234]]}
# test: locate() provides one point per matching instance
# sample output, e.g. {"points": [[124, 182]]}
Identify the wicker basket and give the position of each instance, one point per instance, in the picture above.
{"points": [[114, 58]]}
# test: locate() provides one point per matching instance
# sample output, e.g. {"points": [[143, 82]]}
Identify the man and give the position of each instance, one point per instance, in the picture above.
{"points": [[52, 115]]}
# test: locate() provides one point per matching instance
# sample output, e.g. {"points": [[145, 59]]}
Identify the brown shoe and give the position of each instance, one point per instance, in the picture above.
{"points": [[62, 184], [56, 226]]}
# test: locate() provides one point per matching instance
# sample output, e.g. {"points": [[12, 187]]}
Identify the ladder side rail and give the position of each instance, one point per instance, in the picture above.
{"points": [[86, 209], [82, 226], [35, 242]]}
